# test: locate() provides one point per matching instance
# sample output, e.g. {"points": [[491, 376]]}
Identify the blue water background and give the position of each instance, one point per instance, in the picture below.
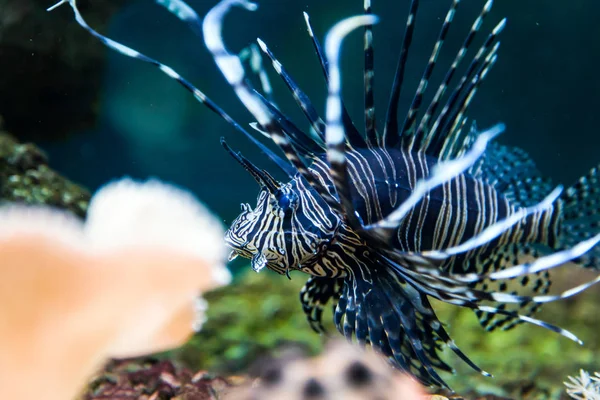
{"points": [[543, 87]]}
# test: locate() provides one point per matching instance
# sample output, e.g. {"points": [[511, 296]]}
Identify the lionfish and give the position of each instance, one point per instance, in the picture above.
{"points": [[385, 220]]}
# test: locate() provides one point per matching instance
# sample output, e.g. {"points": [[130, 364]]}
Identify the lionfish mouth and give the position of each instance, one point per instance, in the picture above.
{"points": [[233, 254], [238, 247]]}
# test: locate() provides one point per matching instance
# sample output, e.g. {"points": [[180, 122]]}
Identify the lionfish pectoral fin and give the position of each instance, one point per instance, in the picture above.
{"points": [[416, 291], [315, 295], [258, 262], [377, 308], [457, 289], [531, 284]]}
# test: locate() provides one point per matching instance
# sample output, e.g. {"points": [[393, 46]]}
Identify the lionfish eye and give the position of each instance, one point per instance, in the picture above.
{"points": [[286, 201]]}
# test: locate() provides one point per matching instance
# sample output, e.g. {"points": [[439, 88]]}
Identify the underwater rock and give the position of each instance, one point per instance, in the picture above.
{"points": [[49, 67], [341, 372], [25, 177], [153, 379]]}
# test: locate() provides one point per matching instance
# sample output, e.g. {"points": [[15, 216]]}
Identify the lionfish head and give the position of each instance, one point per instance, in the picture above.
{"points": [[277, 233]]}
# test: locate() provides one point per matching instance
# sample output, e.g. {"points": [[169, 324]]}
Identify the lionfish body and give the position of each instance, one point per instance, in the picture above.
{"points": [[299, 231], [384, 221]]}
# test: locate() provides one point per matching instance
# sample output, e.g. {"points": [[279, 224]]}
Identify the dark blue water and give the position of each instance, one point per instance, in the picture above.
{"points": [[544, 88]]}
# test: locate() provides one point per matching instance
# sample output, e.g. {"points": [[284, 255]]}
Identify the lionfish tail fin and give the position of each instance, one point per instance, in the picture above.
{"points": [[581, 211]]}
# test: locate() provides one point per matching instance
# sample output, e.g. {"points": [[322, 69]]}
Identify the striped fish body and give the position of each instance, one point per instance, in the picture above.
{"points": [[382, 179]]}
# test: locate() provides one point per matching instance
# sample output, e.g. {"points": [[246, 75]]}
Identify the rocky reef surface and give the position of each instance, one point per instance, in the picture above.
{"points": [[25, 177]]}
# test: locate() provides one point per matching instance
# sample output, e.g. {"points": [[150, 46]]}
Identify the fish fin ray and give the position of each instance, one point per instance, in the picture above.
{"points": [[315, 295], [581, 216]]}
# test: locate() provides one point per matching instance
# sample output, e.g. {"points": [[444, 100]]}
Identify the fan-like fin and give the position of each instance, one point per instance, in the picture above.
{"points": [[378, 309], [532, 285], [464, 296], [425, 270], [582, 216], [451, 289], [315, 295]]}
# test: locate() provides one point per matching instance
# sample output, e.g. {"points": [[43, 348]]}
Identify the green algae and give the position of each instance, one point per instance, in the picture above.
{"points": [[256, 314], [25, 177]]}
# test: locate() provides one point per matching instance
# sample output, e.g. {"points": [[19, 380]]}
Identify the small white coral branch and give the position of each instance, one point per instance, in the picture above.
{"points": [[584, 386], [123, 283]]}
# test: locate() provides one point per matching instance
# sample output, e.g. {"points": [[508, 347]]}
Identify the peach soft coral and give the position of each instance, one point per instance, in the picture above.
{"points": [[124, 282]]}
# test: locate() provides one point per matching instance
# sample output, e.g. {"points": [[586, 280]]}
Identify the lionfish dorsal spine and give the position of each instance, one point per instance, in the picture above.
{"points": [[407, 131], [300, 97], [353, 137], [390, 131], [424, 129], [372, 138]]}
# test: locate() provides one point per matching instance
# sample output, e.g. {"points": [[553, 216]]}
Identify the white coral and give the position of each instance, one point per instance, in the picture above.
{"points": [[584, 386]]}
